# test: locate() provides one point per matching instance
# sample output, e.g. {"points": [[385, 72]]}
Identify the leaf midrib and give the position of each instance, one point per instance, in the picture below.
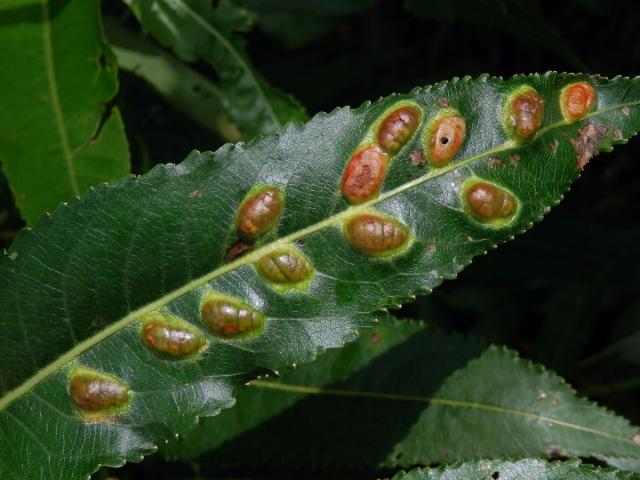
{"points": [[55, 98], [239, 58], [312, 390], [252, 257]]}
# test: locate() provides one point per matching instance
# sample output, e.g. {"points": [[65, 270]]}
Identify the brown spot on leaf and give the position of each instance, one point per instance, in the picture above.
{"points": [[636, 438], [469, 238], [617, 135], [195, 194], [397, 128], [417, 158], [432, 247], [554, 452], [625, 111], [364, 175], [542, 395], [444, 138], [300, 242], [238, 249], [375, 338], [13, 256], [554, 146], [514, 158], [493, 161], [443, 102], [586, 145]]}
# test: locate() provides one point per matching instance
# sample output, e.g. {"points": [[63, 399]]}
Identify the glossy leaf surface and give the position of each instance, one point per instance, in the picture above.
{"points": [[520, 470], [74, 290], [57, 136]]}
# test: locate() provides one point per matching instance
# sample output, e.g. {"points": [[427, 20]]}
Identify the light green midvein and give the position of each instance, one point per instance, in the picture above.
{"points": [[55, 99], [309, 390], [252, 257], [243, 63]]}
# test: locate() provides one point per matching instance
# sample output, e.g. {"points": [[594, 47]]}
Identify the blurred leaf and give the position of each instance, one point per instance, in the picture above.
{"points": [[57, 136], [331, 7], [293, 29], [197, 32], [184, 88]]}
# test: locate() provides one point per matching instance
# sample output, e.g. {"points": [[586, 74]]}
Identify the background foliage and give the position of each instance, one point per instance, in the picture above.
{"points": [[570, 304]]}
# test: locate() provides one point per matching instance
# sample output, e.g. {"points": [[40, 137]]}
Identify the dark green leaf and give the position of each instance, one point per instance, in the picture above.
{"points": [[181, 86], [197, 32], [415, 402], [516, 470], [74, 290], [57, 137]]}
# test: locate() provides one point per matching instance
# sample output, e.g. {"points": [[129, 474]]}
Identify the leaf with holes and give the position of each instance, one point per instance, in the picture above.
{"points": [[455, 399], [529, 469], [195, 31], [57, 138], [140, 307]]}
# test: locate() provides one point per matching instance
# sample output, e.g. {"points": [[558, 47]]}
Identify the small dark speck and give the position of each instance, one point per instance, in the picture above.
{"points": [[300, 242], [417, 158], [495, 475]]}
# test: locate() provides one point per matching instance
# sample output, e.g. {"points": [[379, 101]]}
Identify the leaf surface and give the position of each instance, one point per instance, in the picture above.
{"points": [[195, 31], [180, 85], [407, 395], [75, 289], [57, 137], [529, 469]]}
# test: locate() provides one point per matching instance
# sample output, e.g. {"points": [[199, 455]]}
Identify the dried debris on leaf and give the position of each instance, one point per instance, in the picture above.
{"points": [[586, 145]]}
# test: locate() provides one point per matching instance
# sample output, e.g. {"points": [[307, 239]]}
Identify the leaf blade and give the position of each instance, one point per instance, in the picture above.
{"points": [[456, 400], [55, 122], [188, 26], [81, 281], [530, 469]]}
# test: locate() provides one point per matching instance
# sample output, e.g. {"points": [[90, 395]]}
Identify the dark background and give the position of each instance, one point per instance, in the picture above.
{"points": [[560, 294]]}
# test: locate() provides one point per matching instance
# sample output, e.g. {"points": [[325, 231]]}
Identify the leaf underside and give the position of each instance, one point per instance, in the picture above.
{"points": [[57, 138], [73, 289], [405, 395], [520, 470]]}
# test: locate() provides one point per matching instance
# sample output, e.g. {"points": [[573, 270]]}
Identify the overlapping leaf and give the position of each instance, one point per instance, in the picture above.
{"points": [[74, 289], [520, 470], [195, 31], [57, 138], [406, 395]]}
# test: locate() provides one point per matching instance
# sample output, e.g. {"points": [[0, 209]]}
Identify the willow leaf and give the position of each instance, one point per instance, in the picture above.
{"points": [[181, 86], [529, 469], [196, 31], [454, 400], [57, 138], [76, 290]]}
